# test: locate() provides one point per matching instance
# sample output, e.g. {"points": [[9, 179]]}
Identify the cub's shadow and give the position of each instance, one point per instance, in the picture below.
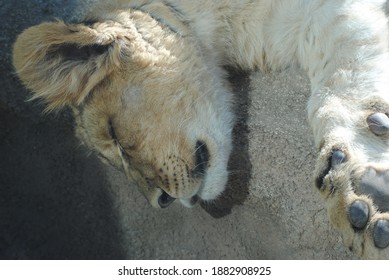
{"points": [[239, 164]]}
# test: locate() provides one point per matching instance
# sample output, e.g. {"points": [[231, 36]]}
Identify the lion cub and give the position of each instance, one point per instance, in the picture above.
{"points": [[148, 91]]}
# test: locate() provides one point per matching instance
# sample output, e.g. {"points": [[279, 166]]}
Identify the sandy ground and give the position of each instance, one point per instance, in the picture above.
{"points": [[58, 202]]}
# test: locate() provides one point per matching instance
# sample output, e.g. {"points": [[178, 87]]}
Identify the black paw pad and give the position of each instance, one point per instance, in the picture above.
{"points": [[378, 123], [338, 157], [359, 214], [375, 184], [381, 234]]}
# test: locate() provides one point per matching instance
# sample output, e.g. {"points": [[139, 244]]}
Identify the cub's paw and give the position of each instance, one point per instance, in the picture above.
{"points": [[353, 178]]}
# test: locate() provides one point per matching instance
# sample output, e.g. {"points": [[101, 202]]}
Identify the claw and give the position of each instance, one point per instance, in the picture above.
{"points": [[378, 123]]}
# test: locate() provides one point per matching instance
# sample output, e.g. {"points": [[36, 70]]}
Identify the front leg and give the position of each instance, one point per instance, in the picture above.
{"points": [[352, 172], [347, 59]]}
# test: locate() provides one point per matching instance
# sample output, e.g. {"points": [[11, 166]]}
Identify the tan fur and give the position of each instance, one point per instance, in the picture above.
{"points": [[148, 84]]}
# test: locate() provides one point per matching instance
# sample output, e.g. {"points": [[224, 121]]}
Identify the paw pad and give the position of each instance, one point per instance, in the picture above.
{"points": [[381, 234], [359, 214], [338, 157], [378, 123], [375, 184]]}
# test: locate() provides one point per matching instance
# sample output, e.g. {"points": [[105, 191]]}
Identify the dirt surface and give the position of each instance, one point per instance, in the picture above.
{"points": [[59, 202]]}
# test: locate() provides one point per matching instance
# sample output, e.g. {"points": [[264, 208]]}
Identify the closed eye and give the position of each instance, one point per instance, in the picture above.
{"points": [[114, 137]]}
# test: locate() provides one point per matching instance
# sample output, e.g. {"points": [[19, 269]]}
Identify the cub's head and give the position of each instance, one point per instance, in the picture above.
{"points": [[144, 98]]}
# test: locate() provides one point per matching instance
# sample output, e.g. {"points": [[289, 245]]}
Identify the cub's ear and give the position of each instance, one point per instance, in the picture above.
{"points": [[62, 63]]}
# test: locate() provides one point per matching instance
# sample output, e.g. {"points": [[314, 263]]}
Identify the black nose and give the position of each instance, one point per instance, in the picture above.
{"points": [[165, 200], [201, 158]]}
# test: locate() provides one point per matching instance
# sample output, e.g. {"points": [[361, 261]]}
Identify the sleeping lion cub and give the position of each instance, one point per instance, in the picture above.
{"points": [[145, 81]]}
